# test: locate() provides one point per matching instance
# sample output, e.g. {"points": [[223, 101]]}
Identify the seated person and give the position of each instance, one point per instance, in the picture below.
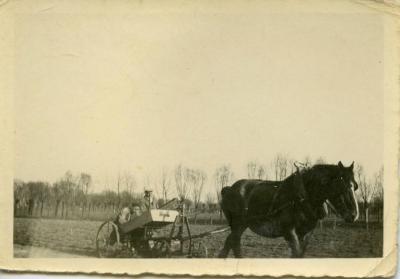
{"points": [[126, 214]]}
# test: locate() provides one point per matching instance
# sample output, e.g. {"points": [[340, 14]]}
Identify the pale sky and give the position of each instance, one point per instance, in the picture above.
{"points": [[136, 92]]}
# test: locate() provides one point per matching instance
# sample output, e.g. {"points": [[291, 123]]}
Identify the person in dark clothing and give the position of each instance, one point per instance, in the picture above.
{"points": [[127, 214]]}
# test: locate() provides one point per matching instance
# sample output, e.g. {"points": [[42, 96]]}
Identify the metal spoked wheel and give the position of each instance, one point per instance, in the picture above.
{"points": [[108, 240]]}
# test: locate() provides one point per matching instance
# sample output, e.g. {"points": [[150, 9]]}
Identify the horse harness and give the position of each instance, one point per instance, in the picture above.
{"points": [[272, 211]]}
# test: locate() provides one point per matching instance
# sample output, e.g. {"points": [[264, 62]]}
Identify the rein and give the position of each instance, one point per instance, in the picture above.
{"points": [[274, 211]]}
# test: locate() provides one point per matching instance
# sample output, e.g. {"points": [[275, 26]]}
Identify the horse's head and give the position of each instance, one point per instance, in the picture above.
{"points": [[341, 194]]}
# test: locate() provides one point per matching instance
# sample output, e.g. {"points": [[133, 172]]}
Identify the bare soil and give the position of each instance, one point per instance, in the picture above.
{"points": [[26, 251], [73, 238]]}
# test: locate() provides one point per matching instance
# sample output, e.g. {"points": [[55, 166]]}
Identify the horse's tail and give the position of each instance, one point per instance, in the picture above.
{"points": [[232, 204], [226, 194]]}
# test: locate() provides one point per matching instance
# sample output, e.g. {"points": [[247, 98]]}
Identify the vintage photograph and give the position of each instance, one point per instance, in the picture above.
{"points": [[202, 131], [274, 134]]}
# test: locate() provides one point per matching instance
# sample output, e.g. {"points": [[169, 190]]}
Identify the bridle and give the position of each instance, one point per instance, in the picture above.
{"points": [[328, 202]]}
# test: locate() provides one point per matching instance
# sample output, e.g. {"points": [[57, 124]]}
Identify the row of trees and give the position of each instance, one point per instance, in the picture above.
{"points": [[370, 193], [73, 195], [67, 192]]}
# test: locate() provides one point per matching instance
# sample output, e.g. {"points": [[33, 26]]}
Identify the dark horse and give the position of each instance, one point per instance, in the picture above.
{"points": [[290, 208]]}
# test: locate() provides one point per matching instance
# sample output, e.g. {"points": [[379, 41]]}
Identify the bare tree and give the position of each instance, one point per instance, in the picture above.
{"points": [[57, 195], [378, 199], [366, 191], [147, 182], [261, 172], [165, 184], [68, 183], [43, 194], [378, 180], [256, 170], [130, 182], [210, 201], [84, 183], [197, 178], [252, 169], [19, 195], [110, 199], [181, 183], [280, 166], [119, 182]]}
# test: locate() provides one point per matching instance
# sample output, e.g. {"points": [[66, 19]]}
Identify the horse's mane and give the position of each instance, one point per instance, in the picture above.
{"points": [[317, 171], [319, 174], [315, 178]]}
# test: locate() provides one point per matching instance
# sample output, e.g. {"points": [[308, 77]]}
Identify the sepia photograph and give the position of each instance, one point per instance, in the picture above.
{"points": [[201, 130]]}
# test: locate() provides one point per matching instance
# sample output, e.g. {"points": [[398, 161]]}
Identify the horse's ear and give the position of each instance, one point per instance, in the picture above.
{"points": [[351, 166], [340, 164]]}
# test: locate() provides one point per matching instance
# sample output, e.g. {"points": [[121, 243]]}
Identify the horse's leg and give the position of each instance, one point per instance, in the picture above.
{"points": [[237, 234], [294, 243], [228, 242], [227, 247], [305, 239], [233, 240]]}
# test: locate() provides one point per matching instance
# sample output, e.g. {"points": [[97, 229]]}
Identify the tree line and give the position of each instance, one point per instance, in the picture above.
{"points": [[72, 195]]}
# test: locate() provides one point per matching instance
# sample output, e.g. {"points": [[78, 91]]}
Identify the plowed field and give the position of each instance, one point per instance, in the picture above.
{"points": [[78, 237]]}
